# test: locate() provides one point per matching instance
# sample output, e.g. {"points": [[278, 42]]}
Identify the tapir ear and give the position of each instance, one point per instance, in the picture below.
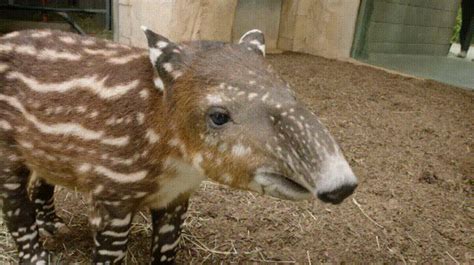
{"points": [[254, 40], [166, 58]]}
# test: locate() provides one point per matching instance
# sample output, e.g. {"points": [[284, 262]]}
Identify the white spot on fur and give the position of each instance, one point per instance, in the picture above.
{"points": [[93, 114], [124, 59], [252, 95], [260, 46], [6, 47], [140, 194], [26, 144], [240, 150], [176, 142], [141, 118], [52, 55], [81, 109], [168, 67], [154, 54], [111, 121], [152, 136], [59, 109], [214, 99], [176, 74], [119, 141], [5, 125], [119, 243], [67, 39], [116, 234], [90, 83], [121, 222], [121, 161], [114, 253], [98, 189], [26, 49], [144, 94], [88, 42], [11, 186], [159, 83], [162, 44], [166, 228], [168, 247], [197, 160], [26, 237], [95, 221], [10, 35], [16, 212], [41, 34], [86, 167], [121, 177], [3, 67], [103, 52]]}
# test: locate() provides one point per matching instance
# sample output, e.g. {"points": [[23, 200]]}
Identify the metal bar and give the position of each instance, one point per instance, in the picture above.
{"points": [[71, 22], [52, 9], [108, 25]]}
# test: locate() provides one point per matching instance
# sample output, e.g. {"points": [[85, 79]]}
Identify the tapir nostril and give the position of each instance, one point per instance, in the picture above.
{"points": [[338, 195]]}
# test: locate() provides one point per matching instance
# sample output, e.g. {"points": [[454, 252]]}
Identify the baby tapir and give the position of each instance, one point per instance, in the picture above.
{"points": [[96, 116]]}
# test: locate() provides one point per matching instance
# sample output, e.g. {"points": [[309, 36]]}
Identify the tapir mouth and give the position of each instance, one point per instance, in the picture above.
{"points": [[281, 186]]}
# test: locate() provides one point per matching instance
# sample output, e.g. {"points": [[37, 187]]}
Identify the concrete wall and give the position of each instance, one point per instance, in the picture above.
{"points": [[321, 27], [179, 20], [411, 26]]}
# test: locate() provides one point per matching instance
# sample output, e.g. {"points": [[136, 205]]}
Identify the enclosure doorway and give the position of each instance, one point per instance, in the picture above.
{"points": [[412, 38]]}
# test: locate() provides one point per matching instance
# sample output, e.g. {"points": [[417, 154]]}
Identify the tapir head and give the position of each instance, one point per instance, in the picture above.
{"points": [[242, 125]]}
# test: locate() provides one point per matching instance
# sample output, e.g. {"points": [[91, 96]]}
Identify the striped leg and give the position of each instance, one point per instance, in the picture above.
{"points": [[167, 224], [19, 211], [111, 235], [42, 194]]}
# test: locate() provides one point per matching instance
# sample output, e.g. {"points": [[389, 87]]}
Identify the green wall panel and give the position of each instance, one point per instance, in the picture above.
{"points": [[406, 26]]}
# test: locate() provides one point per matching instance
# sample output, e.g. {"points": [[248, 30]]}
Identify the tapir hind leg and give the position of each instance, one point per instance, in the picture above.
{"points": [[42, 195], [18, 211]]}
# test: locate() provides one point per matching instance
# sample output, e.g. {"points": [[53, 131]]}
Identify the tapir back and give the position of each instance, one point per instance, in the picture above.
{"points": [[68, 101]]}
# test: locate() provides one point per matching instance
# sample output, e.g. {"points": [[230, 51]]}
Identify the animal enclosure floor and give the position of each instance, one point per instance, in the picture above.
{"points": [[446, 69], [409, 141]]}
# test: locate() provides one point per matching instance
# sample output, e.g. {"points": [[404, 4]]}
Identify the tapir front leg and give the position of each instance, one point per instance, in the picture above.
{"points": [[167, 224], [111, 226]]}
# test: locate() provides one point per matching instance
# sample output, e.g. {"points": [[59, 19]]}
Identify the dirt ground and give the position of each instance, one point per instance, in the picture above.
{"points": [[409, 141]]}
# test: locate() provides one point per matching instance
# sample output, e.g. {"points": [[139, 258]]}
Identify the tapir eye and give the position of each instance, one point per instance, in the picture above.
{"points": [[218, 117]]}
